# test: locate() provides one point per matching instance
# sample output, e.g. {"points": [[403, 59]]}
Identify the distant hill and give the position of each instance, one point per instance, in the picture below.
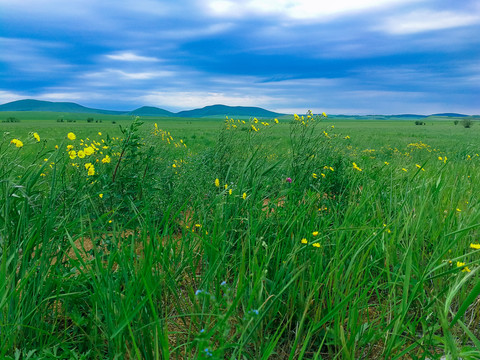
{"points": [[381, 117], [151, 111], [223, 110], [38, 105], [213, 110], [207, 111], [409, 116], [450, 115]]}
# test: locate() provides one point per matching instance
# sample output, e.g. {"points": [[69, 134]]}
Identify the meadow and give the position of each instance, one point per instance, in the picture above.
{"points": [[300, 238]]}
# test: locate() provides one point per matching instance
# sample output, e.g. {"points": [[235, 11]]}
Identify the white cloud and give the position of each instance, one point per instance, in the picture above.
{"points": [[194, 99], [426, 20], [130, 56], [297, 9], [115, 74], [8, 96]]}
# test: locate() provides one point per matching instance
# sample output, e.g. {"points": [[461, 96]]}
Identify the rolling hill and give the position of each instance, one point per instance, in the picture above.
{"points": [[213, 110], [69, 107], [207, 111], [216, 110], [151, 111]]}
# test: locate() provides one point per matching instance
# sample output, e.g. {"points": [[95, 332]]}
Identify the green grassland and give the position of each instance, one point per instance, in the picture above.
{"points": [[310, 238]]}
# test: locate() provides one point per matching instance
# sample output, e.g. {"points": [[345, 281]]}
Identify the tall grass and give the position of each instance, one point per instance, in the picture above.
{"points": [[296, 254]]}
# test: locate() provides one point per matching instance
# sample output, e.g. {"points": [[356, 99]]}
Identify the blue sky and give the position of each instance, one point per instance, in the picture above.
{"points": [[341, 56]]}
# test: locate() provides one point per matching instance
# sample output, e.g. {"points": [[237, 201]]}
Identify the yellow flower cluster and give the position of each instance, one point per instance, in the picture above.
{"points": [[17, 143], [90, 168], [355, 166], [88, 148], [305, 120], [315, 244], [462, 265], [167, 137], [420, 145]]}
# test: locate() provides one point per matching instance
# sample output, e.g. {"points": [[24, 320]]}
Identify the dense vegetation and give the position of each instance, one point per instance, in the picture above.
{"points": [[298, 239]]}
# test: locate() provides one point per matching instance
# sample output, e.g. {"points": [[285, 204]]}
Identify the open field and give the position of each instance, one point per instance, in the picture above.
{"points": [[310, 238]]}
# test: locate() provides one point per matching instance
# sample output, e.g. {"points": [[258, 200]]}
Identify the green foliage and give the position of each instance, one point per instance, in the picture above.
{"points": [[253, 239], [467, 123]]}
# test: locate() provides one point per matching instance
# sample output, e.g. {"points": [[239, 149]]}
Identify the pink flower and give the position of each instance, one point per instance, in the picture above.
{"points": [[289, 180]]}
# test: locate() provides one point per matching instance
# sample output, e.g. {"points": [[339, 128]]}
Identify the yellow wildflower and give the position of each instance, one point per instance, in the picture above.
{"points": [[71, 136], [217, 182], [89, 150], [324, 115], [36, 136], [17, 143], [304, 241], [72, 154], [226, 186], [317, 245], [403, 169], [462, 265], [276, 121], [244, 196], [99, 133], [475, 246], [91, 170], [81, 154], [315, 233], [356, 167], [314, 175], [106, 159], [100, 196]]}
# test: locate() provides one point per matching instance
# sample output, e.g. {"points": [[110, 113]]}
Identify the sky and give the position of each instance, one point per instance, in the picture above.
{"points": [[337, 56]]}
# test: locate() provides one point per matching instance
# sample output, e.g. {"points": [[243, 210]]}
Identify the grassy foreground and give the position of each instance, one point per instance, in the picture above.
{"points": [[275, 241]]}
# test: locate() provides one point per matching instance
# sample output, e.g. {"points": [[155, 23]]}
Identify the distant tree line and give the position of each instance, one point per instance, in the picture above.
{"points": [[90, 119], [67, 120], [11, 120]]}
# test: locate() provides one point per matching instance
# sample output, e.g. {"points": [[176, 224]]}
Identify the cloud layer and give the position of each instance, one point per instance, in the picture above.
{"points": [[373, 56]]}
